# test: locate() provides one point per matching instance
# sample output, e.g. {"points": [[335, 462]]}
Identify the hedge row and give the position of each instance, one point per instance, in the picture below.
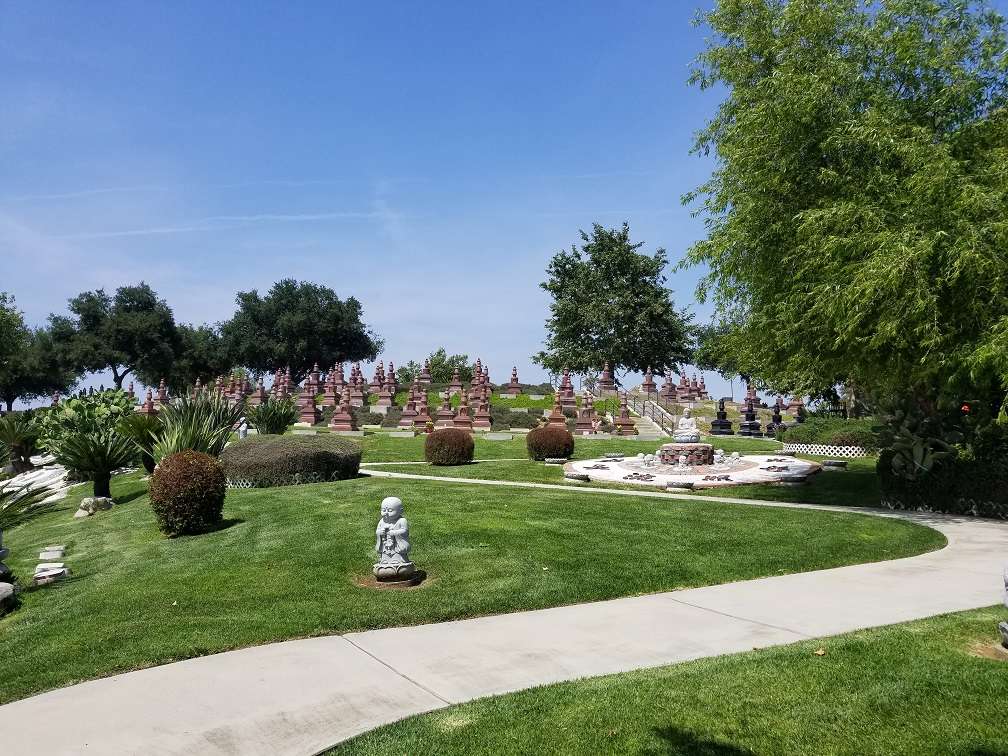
{"points": [[833, 432], [263, 461]]}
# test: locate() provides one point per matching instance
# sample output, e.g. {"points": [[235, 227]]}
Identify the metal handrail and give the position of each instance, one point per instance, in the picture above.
{"points": [[649, 409]]}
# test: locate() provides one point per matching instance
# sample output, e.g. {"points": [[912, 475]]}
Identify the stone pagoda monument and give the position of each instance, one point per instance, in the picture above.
{"points": [[513, 389]]}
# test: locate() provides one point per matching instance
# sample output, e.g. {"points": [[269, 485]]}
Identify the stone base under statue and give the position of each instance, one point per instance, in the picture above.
{"points": [[396, 574], [696, 454]]}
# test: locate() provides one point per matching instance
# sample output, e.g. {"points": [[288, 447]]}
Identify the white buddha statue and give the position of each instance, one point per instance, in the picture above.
{"points": [[686, 430]]}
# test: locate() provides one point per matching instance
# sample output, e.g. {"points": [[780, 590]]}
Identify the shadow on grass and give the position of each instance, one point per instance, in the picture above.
{"points": [[676, 741], [127, 498], [222, 525]]}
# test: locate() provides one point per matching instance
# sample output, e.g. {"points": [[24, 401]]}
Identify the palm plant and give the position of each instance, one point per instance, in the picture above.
{"points": [[202, 423], [143, 430], [273, 416], [97, 454], [18, 435], [17, 505]]}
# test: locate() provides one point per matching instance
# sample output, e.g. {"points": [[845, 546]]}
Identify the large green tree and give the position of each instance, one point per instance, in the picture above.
{"points": [[610, 304], [442, 368], [201, 352], [13, 334], [38, 369], [856, 215], [297, 324], [130, 332]]}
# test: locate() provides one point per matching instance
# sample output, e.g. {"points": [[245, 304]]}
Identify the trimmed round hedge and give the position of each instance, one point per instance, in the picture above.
{"points": [[449, 446], [262, 461], [549, 443], [187, 493]]}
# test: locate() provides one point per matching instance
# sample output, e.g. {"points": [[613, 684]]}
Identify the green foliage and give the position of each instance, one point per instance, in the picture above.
{"points": [[130, 332], [19, 435], [101, 411], [449, 446], [273, 416], [952, 484], [39, 368], [20, 505], [610, 304], [916, 441], [856, 215], [442, 367], [143, 430], [297, 324], [96, 454], [265, 461], [202, 423], [187, 493], [833, 431], [200, 352], [549, 443], [13, 335]]}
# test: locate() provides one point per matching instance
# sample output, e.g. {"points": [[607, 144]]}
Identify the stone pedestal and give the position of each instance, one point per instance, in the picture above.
{"points": [[696, 454]]}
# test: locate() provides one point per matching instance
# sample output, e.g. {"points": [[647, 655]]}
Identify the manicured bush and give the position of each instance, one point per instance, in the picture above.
{"points": [[449, 446], [264, 461], [549, 443], [392, 417], [833, 431], [187, 493]]}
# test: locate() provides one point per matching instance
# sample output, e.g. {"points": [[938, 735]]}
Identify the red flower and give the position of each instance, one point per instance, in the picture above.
{"points": [[965, 409]]}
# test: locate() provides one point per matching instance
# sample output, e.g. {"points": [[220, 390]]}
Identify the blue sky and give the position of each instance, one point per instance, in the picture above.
{"points": [[425, 158]]}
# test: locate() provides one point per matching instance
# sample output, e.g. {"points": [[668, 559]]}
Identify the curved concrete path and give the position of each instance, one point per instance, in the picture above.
{"points": [[300, 697]]}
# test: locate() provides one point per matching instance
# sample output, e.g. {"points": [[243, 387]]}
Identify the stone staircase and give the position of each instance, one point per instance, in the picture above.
{"points": [[647, 429]]}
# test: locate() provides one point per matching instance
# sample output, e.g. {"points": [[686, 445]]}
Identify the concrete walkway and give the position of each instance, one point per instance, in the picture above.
{"points": [[299, 697]]}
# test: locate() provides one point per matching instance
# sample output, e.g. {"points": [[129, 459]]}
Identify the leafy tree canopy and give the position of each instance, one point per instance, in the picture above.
{"points": [[131, 332], [13, 335], [297, 324], [610, 304], [442, 366], [856, 217], [39, 368], [201, 353]]}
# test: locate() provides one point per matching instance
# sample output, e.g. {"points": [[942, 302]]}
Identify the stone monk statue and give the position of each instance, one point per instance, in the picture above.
{"points": [[392, 542], [686, 430]]}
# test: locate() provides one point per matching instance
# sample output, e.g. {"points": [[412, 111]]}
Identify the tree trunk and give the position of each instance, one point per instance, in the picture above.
{"points": [[102, 481]]}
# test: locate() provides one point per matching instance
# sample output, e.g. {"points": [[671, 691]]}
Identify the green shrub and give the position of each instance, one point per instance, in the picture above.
{"points": [[392, 417], [187, 493], [96, 454], [273, 416], [523, 420], [143, 430], [202, 423], [549, 443], [364, 416], [834, 431], [263, 461], [18, 437], [449, 446], [954, 484]]}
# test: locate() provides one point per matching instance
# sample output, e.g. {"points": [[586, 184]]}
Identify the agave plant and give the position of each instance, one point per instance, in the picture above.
{"points": [[273, 416], [19, 435], [96, 453], [202, 423], [143, 431]]}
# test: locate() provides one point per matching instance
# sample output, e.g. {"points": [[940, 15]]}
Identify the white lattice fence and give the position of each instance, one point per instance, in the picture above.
{"points": [[826, 450]]}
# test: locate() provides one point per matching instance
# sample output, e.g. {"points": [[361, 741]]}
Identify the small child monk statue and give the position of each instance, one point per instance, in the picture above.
{"points": [[392, 543]]}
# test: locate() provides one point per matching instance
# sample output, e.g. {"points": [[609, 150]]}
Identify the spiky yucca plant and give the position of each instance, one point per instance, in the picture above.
{"points": [[202, 423], [273, 416]]}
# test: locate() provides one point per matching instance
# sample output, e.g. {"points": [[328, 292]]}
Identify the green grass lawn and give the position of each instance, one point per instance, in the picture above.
{"points": [[935, 686], [286, 564]]}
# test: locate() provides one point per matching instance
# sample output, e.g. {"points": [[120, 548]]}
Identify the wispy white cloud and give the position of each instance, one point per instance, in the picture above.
{"points": [[224, 222]]}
